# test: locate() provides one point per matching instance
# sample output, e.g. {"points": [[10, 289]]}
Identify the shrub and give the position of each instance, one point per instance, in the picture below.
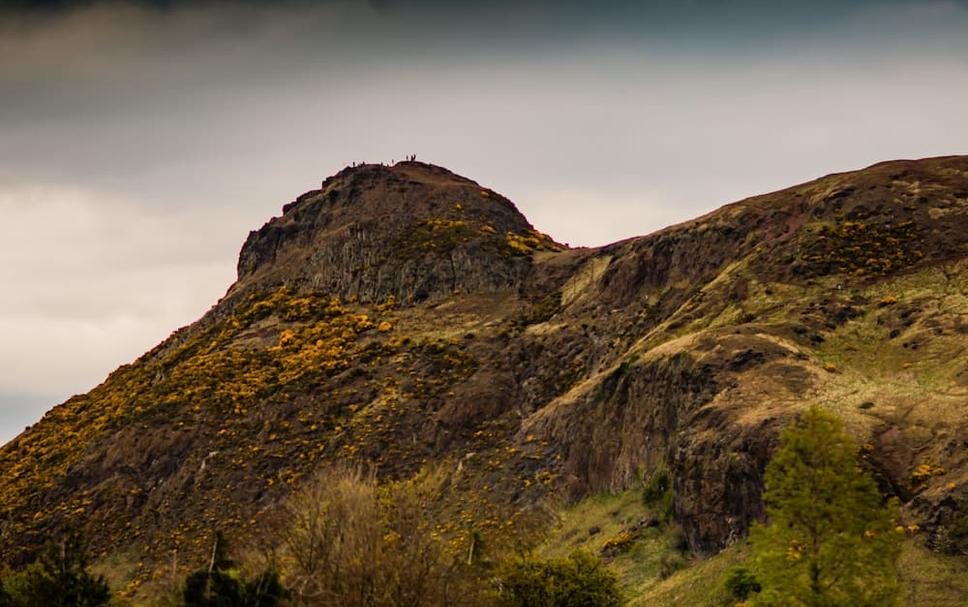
{"points": [[658, 492], [221, 584], [657, 486], [618, 544], [349, 542], [581, 580], [741, 583]]}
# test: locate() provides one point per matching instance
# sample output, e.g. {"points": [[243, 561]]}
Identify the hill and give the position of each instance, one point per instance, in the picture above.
{"points": [[405, 317]]}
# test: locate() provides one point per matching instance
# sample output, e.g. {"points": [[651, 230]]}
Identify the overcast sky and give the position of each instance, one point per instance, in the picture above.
{"points": [[141, 141]]}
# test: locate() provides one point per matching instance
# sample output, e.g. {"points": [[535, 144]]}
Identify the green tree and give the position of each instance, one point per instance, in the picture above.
{"points": [[221, 584], [59, 578], [577, 581], [830, 541]]}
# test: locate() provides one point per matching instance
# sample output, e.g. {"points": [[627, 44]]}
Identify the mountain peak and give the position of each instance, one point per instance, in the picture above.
{"points": [[412, 231]]}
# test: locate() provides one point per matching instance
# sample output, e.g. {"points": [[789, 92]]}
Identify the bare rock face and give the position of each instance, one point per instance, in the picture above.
{"points": [[678, 410], [412, 231]]}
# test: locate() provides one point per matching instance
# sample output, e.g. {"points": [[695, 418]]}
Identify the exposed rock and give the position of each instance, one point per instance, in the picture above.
{"points": [[413, 231]]}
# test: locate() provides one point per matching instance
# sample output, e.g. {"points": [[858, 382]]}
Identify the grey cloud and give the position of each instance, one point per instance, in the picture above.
{"points": [[18, 411]]}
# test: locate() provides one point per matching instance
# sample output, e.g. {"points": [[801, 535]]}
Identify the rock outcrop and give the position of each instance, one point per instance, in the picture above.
{"points": [[413, 231]]}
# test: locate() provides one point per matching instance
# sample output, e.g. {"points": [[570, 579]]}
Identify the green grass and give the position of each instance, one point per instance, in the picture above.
{"points": [[646, 554], [929, 579], [699, 585], [610, 513], [647, 569]]}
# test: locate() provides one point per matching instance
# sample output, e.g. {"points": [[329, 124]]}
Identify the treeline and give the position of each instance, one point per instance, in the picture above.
{"points": [[58, 578], [346, 540]]}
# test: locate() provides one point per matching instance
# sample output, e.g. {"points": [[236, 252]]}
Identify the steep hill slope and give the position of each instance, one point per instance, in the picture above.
{"points": [[405, 316]]}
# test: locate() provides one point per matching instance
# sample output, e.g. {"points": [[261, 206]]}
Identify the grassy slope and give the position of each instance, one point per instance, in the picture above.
{"points": [[895, 362], [867, 368], [930, 579], [646, 560]]}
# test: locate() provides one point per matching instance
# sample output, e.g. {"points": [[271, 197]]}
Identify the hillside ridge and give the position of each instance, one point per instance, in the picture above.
{"points": [[406, 318]]}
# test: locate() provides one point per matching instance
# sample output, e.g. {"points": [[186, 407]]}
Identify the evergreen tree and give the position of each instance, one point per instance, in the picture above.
{"points": [[830, 540]]}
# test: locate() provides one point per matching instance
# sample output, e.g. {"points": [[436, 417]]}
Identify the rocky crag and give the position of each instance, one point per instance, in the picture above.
{"points": [[407, 317]]}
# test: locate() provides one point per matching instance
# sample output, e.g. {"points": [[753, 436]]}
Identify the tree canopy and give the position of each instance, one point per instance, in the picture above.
{"points": [[830, 541]]}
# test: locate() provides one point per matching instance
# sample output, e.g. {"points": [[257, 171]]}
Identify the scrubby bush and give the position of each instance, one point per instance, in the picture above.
{"points": [[581, 580], [657, 486], [658, 493], [350, 542], [221, 584], [741, 583]]}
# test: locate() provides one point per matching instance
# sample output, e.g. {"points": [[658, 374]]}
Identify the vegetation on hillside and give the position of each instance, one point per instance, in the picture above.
{"points": [[831, 539], [580, 580], [58, 578], [220, 583], [217, 381], [346, 540]]}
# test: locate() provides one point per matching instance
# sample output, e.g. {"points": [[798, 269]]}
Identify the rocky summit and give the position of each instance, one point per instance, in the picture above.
{"points": [[407, 318]]}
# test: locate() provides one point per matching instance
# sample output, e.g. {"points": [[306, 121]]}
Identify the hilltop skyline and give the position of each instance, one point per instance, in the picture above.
{"points": [[140, 141]]}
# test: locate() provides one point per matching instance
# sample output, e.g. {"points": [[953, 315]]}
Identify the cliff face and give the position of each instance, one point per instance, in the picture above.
{"points": [[406, 317], [413, 231]]}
